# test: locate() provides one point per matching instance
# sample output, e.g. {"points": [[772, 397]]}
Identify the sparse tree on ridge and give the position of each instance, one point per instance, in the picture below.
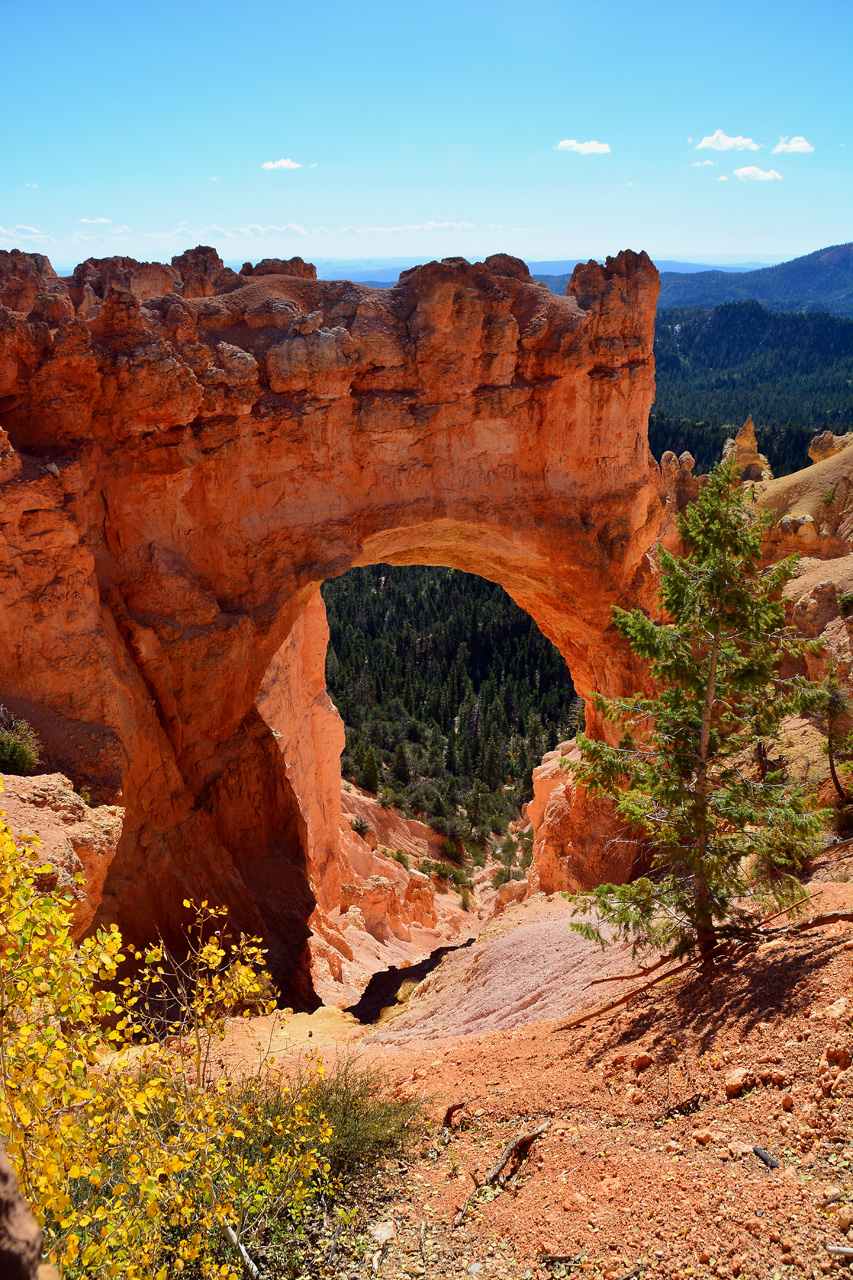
{"points": [[683, 776]]}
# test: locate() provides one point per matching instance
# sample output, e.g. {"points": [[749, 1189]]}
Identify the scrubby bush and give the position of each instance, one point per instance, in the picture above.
{"points": [[137, 1157], [360, 826], [20, 748]]}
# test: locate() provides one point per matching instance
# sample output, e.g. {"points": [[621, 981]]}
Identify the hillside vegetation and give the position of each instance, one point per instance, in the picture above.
{"points": [[819, 281], [793, 373], [449, 692]]}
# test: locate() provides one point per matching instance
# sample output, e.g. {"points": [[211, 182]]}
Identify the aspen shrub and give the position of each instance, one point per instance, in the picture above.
{"points": [[138, 1159]]}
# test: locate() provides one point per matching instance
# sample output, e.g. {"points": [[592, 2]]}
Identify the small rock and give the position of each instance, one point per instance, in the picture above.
{"points": [[641, 1061], [738, 1080], [674, 1148], [382, 1232], [787, 1102], [703, 1136], [845, 1219], [475, 1268]]}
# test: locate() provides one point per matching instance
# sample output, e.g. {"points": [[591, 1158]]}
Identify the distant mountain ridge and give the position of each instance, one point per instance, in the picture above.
{"points": [[819, 281]]}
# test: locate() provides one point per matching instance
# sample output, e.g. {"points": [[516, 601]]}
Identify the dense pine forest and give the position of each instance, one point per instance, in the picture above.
{"points": [[449, 692], [714, 366]]}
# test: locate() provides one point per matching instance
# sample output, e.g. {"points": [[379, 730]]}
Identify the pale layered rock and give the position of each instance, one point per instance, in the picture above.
{"points": [[379, 903], [171, 516]]}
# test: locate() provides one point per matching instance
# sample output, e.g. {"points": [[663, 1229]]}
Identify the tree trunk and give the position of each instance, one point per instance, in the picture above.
{"points": [[845, 799], [706, 935]]}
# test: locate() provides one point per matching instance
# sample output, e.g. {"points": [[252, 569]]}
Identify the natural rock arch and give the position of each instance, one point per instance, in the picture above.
{"points": [[180, 473]]}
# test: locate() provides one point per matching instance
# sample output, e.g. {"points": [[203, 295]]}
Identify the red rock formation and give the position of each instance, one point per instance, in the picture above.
{"points": [[74, 838], [184, 471], [20, 1238]]}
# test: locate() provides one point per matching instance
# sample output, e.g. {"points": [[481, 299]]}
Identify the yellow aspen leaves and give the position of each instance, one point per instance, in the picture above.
{"points": [[131, 1150]]}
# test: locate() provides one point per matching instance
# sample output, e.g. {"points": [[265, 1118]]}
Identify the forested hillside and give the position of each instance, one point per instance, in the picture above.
{"points": [[793, 373], [449, 692], [819, 281]]}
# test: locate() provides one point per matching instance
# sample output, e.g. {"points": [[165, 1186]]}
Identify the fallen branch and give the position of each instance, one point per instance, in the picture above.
{"points": [[626, 977], [839, 1251], [770, 1161], [793, 907], [523, 1140], [614, 1004], [816, 922]]}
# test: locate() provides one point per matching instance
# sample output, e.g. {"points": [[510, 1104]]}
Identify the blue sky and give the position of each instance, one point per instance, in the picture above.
{"points": [[422, 130]]}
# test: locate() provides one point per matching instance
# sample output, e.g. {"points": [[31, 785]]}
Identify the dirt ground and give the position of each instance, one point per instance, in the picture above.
{"points": [[647, 1166]]}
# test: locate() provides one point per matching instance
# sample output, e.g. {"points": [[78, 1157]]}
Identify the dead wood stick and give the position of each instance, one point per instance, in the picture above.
{"points": [[839, 1251], [451, 1112], [614, 1004], [523, 1140], [831, 917], [626, 977], [785, 910]]}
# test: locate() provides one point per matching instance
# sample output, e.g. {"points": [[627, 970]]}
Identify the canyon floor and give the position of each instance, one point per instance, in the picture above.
{"points": [[653, 1110]]}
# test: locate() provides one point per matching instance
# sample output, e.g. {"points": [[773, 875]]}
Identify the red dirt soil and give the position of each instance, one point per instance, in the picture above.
{"points": [[619, 1184]]}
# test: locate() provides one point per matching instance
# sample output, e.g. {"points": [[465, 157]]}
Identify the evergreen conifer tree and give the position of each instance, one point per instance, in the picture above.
{"points": [[683, 777], [370, 771], [400, 770]]}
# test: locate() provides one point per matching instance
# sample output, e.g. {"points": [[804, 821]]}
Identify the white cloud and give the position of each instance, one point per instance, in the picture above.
{"points": [[792, 144], [719, 141], [31, 185], [583, 148], [313, 166], [121, 230], [701, 164], [214, 179], [751, 173], [494, 226], [724, 177], [93, 221], [14, 235], [280, 164], [410, 226]]}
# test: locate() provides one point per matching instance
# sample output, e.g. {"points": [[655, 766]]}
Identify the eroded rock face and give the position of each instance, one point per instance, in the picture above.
{"points": [[74, 838], [182, 472]]}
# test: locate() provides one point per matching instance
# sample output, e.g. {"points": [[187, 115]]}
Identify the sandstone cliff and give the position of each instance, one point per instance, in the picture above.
{"points": [[187, 452]]}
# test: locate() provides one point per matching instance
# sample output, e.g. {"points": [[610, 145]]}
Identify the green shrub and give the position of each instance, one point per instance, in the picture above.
{"points": [[360, 826], [846, 604], [465, 898], [367, 1124], [403, 858], [20, 748]]}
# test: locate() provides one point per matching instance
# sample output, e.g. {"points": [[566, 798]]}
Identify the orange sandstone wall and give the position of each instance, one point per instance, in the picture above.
{"points": [[186, 453]]}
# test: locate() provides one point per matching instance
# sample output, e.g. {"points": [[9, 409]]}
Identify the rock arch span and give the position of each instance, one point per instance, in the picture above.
{"points": [[180, 472]]}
